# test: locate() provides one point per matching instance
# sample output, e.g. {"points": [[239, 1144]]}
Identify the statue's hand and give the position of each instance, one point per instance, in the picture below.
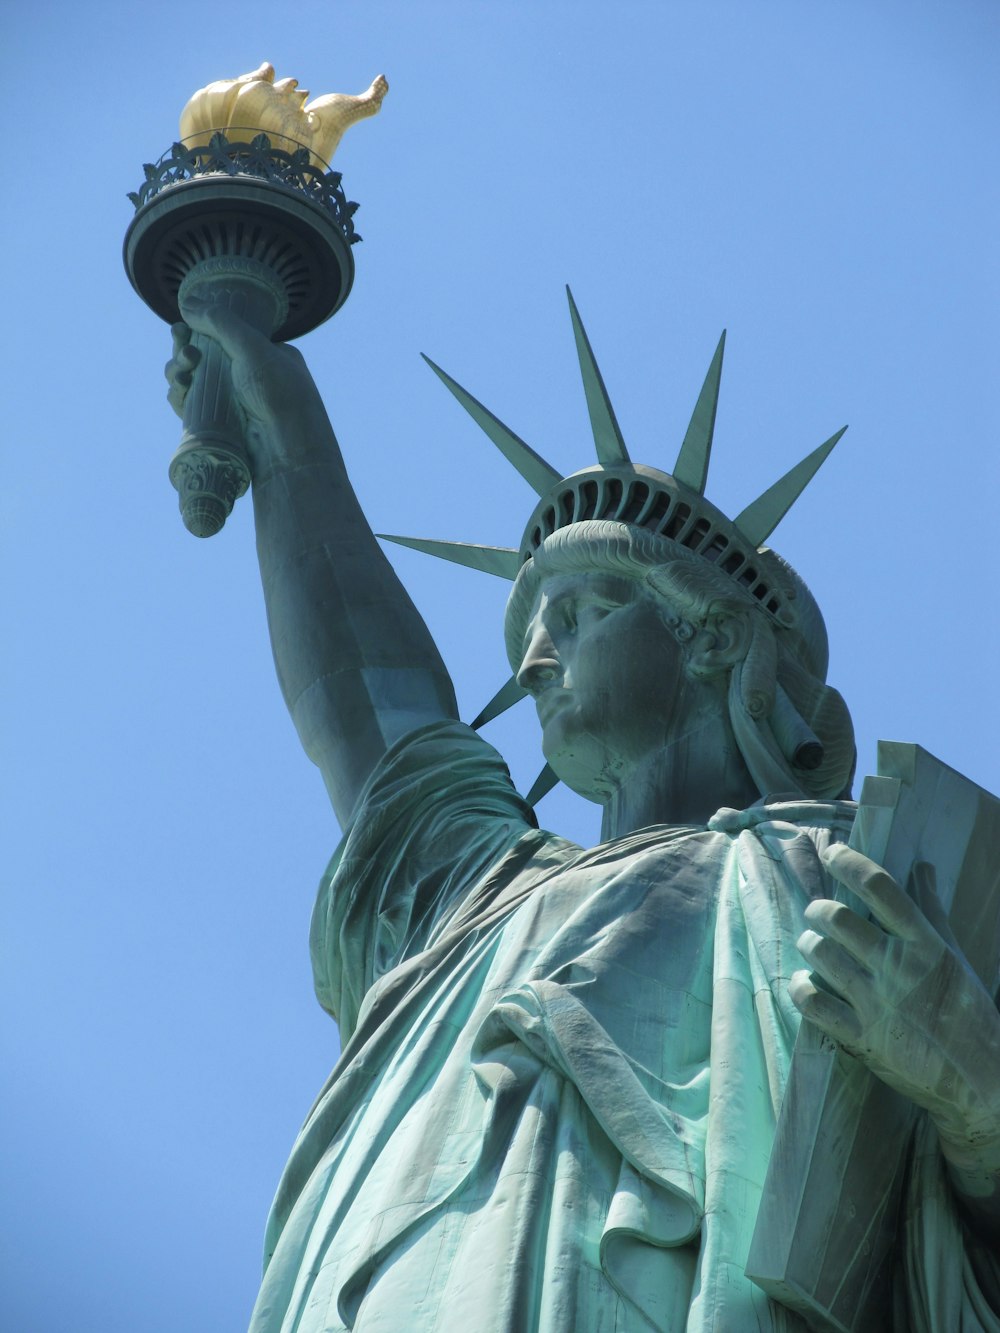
{"points": [[271, 381], [903, 999], [180, 369]]}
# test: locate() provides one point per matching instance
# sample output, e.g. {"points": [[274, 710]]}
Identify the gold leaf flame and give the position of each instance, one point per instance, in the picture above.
{"points": [[257, 104]]}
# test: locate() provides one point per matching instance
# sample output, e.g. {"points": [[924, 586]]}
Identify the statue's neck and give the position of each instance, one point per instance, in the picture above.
{"points": [[685, 783]]}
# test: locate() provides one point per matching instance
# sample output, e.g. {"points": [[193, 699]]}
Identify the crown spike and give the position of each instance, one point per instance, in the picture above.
{"points": [[503, 561], [760, 518], [506, 697], [542, 785], [691, 467], [534, 469], [607, 436]]}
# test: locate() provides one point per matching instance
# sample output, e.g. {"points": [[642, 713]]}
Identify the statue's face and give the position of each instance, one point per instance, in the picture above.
{"points": [[607, 675]]}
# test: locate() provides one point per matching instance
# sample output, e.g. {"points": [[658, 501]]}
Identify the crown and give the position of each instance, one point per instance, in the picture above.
{"points": [[669, 505]]}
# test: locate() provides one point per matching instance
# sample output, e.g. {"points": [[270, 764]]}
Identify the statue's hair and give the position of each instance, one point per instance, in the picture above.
{"points": [[793, 730]]}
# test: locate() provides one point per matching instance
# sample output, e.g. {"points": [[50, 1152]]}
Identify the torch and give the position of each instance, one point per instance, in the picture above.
{"points": [[245, 210]]}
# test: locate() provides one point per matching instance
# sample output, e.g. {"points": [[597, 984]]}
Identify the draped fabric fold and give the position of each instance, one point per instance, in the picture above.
{"points": [[561, 1068]]}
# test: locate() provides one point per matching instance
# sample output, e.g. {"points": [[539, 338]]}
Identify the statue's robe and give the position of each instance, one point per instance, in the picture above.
{"points": [[561, 1068]]}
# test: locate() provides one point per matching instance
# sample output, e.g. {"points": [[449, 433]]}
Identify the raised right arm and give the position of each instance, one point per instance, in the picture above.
{"points": [[357, 666]]}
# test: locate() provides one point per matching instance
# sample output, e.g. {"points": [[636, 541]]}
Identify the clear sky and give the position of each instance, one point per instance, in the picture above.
{"points": [[819, 178]]}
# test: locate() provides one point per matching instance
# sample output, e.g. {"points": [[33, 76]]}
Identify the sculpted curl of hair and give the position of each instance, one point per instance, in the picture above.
{"points": [[793, 730]]}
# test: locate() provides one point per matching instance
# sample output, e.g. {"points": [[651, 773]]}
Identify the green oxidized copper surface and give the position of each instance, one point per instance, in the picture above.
{"points": [[574, 1093], [256, 158], [267, 232], [246, 199]]}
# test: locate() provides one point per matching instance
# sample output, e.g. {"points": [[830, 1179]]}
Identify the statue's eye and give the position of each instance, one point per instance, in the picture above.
{"points": [[597, 608]]}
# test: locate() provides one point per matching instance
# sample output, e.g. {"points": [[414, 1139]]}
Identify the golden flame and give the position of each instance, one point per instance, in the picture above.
{"points": [[255, 103]]}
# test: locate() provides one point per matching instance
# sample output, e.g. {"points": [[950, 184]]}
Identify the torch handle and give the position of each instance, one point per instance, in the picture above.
{"points": [[210, 469]]}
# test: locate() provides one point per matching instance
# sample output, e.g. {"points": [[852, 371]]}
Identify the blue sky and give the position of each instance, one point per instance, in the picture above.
{"points": [[820, 179]]}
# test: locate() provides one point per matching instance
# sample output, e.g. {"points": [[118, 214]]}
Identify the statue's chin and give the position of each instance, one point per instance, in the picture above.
{"points": [[591, 775]]}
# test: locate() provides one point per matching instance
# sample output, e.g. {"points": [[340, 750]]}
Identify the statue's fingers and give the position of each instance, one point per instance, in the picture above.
{"points": [[178, 391], [862, 939], [181, 335], [181, 365], [834, 964], [889, 904], [179, 372], [830, 1014]]}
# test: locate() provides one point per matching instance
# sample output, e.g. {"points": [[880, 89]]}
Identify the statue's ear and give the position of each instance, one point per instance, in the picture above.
{"points": [[720, 644]]}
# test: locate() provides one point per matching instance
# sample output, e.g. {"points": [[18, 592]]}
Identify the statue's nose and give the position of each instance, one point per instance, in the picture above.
{"points": [[540, 663]]}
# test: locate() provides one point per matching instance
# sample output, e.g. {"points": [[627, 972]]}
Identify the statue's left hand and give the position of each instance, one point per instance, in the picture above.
{"points": [[902, 997]]}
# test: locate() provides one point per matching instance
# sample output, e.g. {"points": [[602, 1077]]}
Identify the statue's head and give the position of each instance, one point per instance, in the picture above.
{"points": [[628, 640], [664, 607]]}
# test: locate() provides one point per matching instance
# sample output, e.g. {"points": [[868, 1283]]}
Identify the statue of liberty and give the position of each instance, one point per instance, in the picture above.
{"points": [[562, 1068]]}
